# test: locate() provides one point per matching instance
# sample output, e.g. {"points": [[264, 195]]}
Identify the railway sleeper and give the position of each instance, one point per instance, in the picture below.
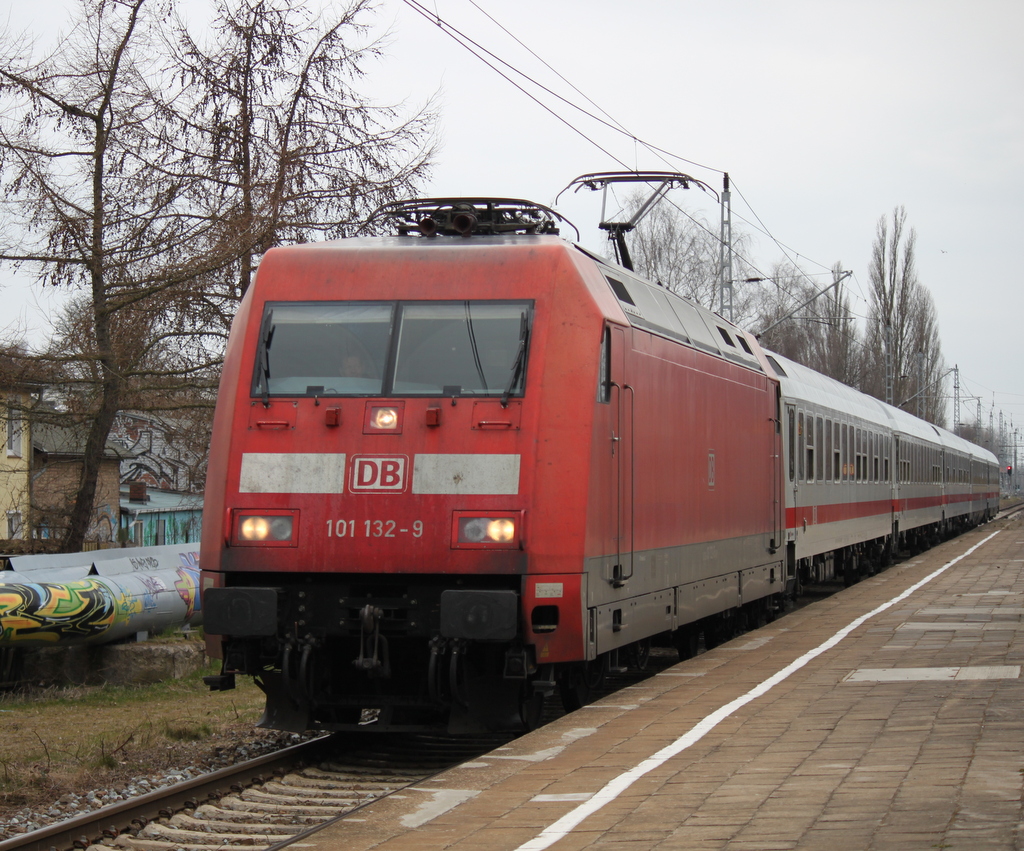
{"points": [[291, 796], [232, 802], [212, 812], [200, 839], [183, 821]]}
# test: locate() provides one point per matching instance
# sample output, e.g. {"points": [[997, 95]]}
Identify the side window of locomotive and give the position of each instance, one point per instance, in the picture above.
{"points": [[323, 348], [604, 369], [472, 347]]}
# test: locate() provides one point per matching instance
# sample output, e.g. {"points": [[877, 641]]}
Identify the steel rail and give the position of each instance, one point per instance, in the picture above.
{"points": [[89, 828]]}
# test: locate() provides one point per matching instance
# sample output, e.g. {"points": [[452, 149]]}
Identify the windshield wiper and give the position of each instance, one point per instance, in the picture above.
{"points": [[519, 364], [266, 338], [475, 350]]}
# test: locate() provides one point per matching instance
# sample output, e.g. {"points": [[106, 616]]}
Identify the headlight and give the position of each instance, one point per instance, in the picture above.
{"points": [[268, 529], [480, 529], [383, 419]]}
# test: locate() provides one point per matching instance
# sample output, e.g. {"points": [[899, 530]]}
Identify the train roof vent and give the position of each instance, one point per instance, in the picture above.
{"points": [[470, 216]]}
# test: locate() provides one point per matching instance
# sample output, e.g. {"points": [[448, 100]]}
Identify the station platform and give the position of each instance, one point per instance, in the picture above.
{"points": [[888, 716]]}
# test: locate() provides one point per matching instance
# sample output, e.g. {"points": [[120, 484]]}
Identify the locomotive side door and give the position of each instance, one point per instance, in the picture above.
{"points": [[623, 403], [777, 496]]}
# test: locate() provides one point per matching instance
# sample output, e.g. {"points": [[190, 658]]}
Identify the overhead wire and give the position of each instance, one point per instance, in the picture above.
{"points": [[613, 124], [477, 49], [465, 41], [482, 53], [618, 124]]}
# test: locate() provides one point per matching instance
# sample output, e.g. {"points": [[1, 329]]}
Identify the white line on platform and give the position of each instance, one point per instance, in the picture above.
{"points": [[616, 786]]}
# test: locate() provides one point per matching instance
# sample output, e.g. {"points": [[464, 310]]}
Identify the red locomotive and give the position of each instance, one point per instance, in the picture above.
{"points": [[458, 468]]}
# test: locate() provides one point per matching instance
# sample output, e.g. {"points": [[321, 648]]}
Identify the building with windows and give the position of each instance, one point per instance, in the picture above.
{"points": [[151, 517], [15, 463], [40, 469]]}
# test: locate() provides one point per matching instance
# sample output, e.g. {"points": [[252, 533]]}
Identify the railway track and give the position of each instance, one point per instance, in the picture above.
{"points": [[272, 800], [263, 802]]}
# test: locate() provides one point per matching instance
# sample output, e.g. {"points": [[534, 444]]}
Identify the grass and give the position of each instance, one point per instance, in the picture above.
{"points": [[73, 739]]}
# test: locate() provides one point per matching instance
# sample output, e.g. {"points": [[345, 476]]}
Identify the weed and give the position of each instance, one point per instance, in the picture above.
{"points": [[59, 740], [185, 732]]}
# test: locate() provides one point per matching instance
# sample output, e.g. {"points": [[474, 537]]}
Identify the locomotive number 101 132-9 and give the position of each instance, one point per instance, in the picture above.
{"points": [[372, 529]]}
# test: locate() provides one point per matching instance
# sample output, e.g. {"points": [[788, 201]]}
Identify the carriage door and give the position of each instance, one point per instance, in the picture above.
{"points": [[623, 403], [897, 476], [791, 450], [791, 488]]}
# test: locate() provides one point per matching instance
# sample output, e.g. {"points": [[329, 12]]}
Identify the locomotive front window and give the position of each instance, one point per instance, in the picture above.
{"points": [[462, 348], [473, 348], [323, 349]]}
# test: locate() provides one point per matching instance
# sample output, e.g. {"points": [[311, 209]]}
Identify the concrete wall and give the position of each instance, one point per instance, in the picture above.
{"points": [[114, 664]]}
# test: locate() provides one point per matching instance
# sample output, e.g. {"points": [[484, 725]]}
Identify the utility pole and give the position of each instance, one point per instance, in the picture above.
{"points": [[956, 400], [725, 253], [991, 423], [888, 363], [920, 382]]}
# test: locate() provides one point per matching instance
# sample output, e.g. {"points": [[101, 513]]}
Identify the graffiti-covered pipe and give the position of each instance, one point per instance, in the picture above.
{"points": [[48, 600]]}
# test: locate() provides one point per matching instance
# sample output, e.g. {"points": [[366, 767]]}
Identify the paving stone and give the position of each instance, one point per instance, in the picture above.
{"points": [[818, 762]]}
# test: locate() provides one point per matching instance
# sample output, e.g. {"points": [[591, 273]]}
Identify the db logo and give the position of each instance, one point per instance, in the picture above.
{"points": [[385, 473]]}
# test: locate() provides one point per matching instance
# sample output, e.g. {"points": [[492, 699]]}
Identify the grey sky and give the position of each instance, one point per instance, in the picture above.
{"points": [[825, 114]]}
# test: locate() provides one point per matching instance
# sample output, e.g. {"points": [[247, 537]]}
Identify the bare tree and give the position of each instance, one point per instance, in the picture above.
{"points": [[153, 187], [785, 288], [76, 153], [680, 249], [809, 323], [278, 132], [836, 347], [903, 353]]}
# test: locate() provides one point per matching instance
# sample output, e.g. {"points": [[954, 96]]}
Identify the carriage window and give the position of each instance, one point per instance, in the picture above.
{"points": [[858, 456], [392, 348], [810, 448], [820, 469], [800, 448], [846, 452], [837, 456], [791, 417], [828, 450]]}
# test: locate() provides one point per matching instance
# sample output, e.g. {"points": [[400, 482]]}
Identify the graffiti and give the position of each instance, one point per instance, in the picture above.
{"points": [[153, 585], [144, 563], [145, 593], [103, 524], [163, 454], [53, 613], [187, 586]]}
